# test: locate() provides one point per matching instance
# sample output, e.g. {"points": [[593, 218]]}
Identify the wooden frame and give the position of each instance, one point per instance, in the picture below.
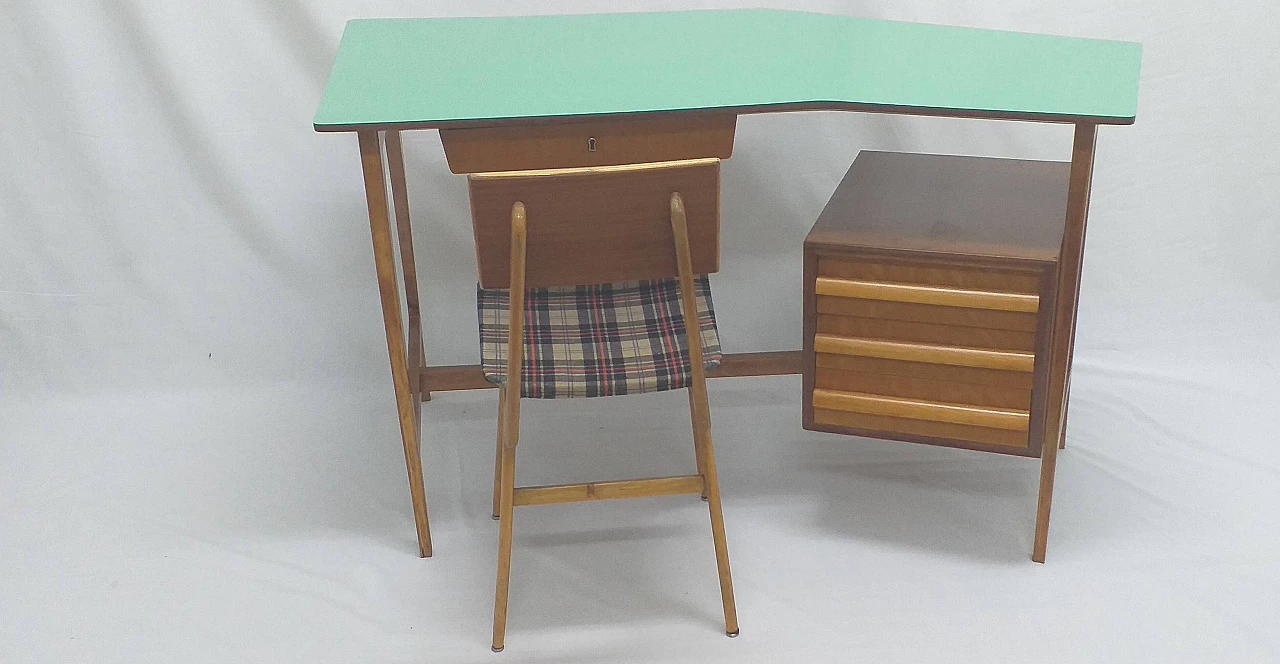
{"points": [[407, 390], [1070, 264], [507, 496], [413, 379]]}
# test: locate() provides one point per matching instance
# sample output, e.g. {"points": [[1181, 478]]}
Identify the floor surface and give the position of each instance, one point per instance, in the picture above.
{"points": [[274, 526]]}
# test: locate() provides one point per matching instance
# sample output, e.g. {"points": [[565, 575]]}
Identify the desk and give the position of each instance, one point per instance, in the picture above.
{"points": [[655, 78]]}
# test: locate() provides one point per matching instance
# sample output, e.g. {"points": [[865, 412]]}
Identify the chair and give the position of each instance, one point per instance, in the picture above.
{"points": [[588, 296]]}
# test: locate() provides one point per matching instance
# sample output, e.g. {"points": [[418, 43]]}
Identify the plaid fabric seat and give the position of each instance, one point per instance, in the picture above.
{"points": [[600, 340]]}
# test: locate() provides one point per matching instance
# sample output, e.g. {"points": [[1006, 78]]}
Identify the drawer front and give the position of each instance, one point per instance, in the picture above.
{"points": [[976, 278], [932, 352], [948, 335], [927, 313], [920, 352], [977, 376], [611, 142], [1014, 441], [928, 389]]}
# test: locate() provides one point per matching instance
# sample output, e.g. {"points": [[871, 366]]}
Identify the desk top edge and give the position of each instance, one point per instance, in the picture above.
{"points": [[1126, 57], [795, 107]]}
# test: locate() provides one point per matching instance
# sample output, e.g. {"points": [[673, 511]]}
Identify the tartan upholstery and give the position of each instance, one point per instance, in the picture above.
{"points": [[599, 340]]}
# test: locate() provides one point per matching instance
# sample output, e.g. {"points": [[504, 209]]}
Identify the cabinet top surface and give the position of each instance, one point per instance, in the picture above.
{"points": [[460, 71], [976, 206]]}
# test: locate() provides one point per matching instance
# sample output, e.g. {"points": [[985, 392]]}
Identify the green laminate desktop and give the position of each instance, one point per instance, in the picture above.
{"points": [[456, 71]]}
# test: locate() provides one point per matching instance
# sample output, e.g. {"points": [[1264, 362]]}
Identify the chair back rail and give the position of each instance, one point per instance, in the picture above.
{"points": [[598, 224]]}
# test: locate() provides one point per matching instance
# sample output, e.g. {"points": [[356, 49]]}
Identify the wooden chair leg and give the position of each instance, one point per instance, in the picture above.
{"points": [[505, 514], [698, 454], [510, 423], [384, 261], [497, 460], [700, 411], [702, 438]]}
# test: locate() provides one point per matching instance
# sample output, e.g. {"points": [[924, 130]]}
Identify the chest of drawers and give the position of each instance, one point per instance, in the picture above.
{"points": [[929, 285]]}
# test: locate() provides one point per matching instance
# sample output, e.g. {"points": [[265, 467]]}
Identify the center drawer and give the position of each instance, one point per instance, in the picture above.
{"points": [[611, 141]]}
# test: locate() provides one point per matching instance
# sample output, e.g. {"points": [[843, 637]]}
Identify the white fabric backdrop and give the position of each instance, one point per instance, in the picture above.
{"points": [[198, 457]]}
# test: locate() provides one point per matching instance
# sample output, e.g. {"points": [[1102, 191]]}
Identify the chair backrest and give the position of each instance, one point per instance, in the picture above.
{"points": [[596, 225]]}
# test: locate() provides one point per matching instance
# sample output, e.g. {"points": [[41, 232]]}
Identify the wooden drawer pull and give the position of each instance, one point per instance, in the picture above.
{"points": [[871, 404], [918, 294], [930, 353]]}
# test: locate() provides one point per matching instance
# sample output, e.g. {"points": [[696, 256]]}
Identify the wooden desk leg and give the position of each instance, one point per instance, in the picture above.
{"points": [[388, 290], [1066, 402], [1064, 318], [400, 198]]}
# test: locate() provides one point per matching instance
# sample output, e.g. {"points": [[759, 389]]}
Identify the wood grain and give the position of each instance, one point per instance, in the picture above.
{"points": [[518, 267], [567, 144], [926, 313], [921, 294], [510, 418], [979, 275], [389, 293], [408, 263], [766, 363], [943, 335], [700, 410], [928, 371], [1006, 441], [454, 377], [642, 488], [918, 352], [497, 457], [916, 409], [926, 389], [1067, 299], [1009, 209], [809, 327], [593, 226]]}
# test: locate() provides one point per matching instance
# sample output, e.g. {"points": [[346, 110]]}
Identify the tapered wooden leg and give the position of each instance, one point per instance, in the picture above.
{"points": [[497, 460], [404, 234], [384, 261], [698, 452], [510, 423], [700, 412], [702, 438], [1071, 355], [1066, 402], [505, 514], [1067, 297]]}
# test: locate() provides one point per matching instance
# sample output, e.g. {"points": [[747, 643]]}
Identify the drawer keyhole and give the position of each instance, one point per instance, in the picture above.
{"points": [[591, 144]]}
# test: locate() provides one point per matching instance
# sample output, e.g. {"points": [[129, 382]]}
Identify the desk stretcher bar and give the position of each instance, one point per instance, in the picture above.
{"points": [[733, 365]]}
